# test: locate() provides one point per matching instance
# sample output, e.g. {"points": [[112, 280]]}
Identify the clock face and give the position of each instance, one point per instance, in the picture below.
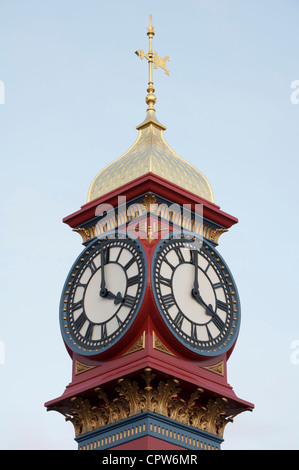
{"points": [[102, 294], [196, 295]]}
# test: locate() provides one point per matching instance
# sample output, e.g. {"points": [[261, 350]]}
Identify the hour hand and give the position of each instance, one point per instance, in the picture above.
{"points": [[118, 299], [209, 310], [198, 299]]}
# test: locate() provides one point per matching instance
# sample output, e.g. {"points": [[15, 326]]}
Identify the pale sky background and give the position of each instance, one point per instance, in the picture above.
{"points": [[74, 93]]}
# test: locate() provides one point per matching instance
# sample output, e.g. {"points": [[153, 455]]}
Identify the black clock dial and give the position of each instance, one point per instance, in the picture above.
{"points": [[102, 294], [196, 295]]}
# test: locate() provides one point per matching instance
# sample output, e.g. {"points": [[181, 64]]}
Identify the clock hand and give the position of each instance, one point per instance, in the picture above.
{"points": [[103, 291], [118, 299], [195, 285], [198, 298], [209, 310]]}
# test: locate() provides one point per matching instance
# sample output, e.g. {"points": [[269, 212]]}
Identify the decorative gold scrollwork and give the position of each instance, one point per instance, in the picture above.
{"points": [[165, 398]]}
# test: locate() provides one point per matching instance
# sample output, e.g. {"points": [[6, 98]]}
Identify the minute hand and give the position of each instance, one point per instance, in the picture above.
{"points": [[195, 290], [103, 291], [215, 318]]}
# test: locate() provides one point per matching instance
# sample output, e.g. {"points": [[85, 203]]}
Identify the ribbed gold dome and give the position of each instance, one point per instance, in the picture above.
{"points": [[150, 153]]}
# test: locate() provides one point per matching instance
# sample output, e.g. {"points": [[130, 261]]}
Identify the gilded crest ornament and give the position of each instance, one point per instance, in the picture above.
{"points": [[153, 59]]}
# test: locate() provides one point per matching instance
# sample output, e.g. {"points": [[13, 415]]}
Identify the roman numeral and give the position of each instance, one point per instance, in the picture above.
{"points": [[218, 322], [209, 333], [168, 300], [165, 260], [77, 305], [208, 265], [129, 263], [79, 322], [179, 319], [119, 253], [92, 267], [89, 331], [105, 255], [179, 255], [133, 280], [194, 255], [129, 301], [193, 331], [217, 285], [165, 281], [80, 284], [104, 331], [222, 305]]}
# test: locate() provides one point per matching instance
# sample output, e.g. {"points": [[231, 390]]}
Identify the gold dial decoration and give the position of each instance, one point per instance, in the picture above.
{"points": [[196, 295], [102, 294]]}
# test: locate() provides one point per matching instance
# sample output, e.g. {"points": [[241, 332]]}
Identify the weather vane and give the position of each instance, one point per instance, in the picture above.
{"points": [[153, 59]]}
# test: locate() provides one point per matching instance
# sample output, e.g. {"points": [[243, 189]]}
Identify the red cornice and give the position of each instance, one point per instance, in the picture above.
{"points": [[159, 186]]}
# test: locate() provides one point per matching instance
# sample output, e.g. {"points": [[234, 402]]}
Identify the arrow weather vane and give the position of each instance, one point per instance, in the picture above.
{"points": [[152, 58]]}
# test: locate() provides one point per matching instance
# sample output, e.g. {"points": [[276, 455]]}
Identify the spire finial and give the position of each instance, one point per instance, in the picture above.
{"points": [[152, 58]]}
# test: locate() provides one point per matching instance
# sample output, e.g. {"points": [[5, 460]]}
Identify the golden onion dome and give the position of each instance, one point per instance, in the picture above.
{"points": [[150, 154]]}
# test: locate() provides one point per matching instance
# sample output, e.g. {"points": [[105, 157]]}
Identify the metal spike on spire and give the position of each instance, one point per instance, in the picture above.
{"points": [[153, 59]]}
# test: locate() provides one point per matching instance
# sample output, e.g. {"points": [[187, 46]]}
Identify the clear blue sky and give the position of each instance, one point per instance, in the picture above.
{"points": [[74, 93]]}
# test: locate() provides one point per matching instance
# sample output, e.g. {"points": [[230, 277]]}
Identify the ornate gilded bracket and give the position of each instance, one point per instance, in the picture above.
{"points": [[164, 398], [153, 227]]}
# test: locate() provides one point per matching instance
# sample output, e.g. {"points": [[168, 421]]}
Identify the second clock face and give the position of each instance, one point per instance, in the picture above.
{"points": [[196, 295], [102, 294]]}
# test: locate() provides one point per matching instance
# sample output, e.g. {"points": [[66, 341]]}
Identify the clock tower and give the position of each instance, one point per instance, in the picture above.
{"points": [[150, 311]]}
